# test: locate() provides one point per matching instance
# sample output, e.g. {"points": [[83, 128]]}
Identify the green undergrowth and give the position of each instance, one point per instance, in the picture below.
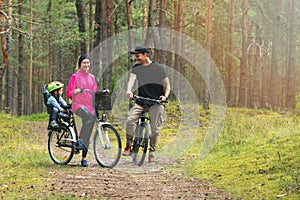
{"points": [[40, 117], [24, 161], [20, 154], [256, 157]]}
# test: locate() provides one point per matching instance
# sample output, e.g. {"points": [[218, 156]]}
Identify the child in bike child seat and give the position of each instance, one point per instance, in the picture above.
{"points": [[60, 106]]}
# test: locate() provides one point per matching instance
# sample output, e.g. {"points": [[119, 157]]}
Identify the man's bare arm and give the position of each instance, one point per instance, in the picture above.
{"points": [[130, 84], [166, 83]]}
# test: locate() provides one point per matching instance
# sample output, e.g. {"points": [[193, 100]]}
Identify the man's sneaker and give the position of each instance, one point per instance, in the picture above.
{"points": [[53, 124], [127, 151], [84, 163], [79, 145], [151, 157]]}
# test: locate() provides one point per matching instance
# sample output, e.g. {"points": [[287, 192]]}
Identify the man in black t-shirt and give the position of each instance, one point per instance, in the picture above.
{"points": [[152, 83]]}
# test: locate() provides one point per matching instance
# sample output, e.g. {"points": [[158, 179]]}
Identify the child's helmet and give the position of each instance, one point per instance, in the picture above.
{"points": [[54, 86]]}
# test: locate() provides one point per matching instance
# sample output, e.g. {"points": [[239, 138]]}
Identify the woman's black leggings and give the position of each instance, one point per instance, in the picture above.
{"points": [[88, 121]]}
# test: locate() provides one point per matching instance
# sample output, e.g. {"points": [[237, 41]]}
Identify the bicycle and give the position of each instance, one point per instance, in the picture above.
{"points": [[141, 136], [62, 140]]}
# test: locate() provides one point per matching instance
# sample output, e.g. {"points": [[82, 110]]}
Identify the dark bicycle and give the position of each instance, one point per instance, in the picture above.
{"points": [[141, 137], [62, 141]]}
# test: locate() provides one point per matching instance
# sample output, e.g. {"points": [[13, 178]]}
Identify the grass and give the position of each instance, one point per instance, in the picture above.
{"points": [[20, 153], [24, 161], [256, 157]]}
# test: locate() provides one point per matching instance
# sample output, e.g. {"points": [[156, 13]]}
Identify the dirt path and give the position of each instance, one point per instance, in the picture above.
{"points": [[126, 181]]}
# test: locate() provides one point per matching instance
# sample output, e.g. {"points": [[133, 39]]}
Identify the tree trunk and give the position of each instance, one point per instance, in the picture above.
{"points": [[229, 82], [273, 93], [243, 68], [163, 25], [208, 49], [154, 33], [107, 76], [91, 20], [9, 79], [197, 81], [96, 53], [131, 44], [176, 43], [291, 69], [29, 105], [254, 102], [98, 18], [145, 21], [81, 25], [20, 69], [4, 66], [182, 62]]}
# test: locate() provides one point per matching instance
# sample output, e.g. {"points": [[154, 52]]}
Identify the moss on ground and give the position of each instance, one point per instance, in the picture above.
{"points": [[257, 156]]}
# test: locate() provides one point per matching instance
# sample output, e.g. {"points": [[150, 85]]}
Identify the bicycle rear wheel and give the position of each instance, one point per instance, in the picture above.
{"points": [[60, 145], [140, 144], [107, 146]]}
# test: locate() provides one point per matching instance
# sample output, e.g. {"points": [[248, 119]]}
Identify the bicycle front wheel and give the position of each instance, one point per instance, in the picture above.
{"points": [[140, 144], [107, 146], [60, 145]]}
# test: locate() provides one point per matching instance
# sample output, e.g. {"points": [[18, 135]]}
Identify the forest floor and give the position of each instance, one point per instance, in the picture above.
{"points": [[125, 181]]}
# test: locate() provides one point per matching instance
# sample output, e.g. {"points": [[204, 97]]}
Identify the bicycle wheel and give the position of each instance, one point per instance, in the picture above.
{"points": [[140, 144], [107, 146], [60, 145]]}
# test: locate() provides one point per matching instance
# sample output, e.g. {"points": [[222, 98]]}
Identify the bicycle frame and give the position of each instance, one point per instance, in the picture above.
{"points": [[62, 141], [141, 137]]}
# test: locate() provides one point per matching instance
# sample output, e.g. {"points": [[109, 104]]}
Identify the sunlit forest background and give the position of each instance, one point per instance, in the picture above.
{"points": [[254, 45]]}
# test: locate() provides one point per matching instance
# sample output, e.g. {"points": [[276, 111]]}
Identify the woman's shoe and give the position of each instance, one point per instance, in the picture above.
{"points": [[84, 163]]}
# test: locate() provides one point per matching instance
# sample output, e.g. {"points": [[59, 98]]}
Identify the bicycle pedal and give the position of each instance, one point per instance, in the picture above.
{"points": [[77, 151]]}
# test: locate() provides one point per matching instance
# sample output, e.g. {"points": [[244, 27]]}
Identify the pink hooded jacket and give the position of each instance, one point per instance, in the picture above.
{"points": [[82, 80]]}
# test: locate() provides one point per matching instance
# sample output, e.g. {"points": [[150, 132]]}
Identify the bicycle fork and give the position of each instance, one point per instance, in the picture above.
{"points": [[101, 130], [140, 134]]}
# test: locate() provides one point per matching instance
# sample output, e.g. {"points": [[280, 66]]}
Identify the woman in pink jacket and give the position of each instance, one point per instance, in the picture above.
{"points": [[82, 102]]}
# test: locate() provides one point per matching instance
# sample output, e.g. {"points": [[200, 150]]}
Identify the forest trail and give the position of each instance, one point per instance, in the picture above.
{"points": [[125, 181]]}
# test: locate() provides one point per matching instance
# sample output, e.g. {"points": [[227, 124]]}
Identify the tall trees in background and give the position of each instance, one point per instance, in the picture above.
{"points": [[9, 73], [256, 51], [208, 57], [243, 66], [230, 54], [291, 68], [30, 88], [81, 25], [108, 51], [3, 36], [20, 65], [273, 93], [131, 44]]}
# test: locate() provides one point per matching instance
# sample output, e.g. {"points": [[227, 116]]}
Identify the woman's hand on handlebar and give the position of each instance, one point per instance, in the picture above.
{"points": [[77, 90], [80, 90]]}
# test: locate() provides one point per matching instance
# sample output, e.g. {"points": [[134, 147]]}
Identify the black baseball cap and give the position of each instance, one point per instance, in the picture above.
{"points": [[140, 49]]}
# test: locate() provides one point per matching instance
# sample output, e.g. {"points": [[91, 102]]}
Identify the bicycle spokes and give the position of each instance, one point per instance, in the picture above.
{"points": [[107, 146]]}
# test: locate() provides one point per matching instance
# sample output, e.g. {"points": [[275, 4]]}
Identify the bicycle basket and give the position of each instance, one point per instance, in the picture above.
{"points": [[103, 102]]}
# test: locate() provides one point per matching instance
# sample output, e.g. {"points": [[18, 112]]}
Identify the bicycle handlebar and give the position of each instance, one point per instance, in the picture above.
{"points": [[103, 92], [149, 100], [86, 90]]}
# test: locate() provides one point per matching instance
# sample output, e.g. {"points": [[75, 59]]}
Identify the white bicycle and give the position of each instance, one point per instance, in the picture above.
{"points": [[106, 141]]}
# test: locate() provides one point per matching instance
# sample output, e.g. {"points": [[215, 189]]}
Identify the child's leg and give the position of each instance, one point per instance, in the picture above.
{"points": [[54, 114]]}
